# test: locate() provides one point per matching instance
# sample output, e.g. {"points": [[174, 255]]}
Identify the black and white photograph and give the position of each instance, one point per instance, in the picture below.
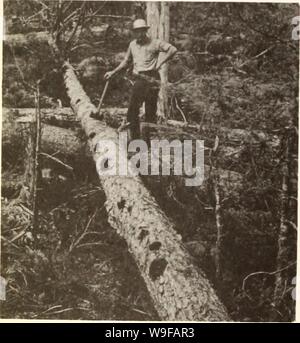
{"points": [[149, 162]]}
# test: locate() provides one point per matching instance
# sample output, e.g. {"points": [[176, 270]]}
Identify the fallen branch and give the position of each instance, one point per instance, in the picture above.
{"points": [[265, 273], [57, 160], [76, 242]]}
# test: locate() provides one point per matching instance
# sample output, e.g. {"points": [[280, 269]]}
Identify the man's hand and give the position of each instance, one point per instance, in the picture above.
{"points": [[108, 75], [166, 57], [157, 67]]}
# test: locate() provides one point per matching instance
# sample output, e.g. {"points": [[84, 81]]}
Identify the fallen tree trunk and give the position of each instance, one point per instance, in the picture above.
{"points": [[60, 114], [28, 112], [180, 291], [54, 139], [67, 143], [115, 115], [20, 40], [104, 32]]}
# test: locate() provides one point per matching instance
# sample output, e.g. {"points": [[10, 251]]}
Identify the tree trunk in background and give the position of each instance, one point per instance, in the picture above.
{"points": [[30, 128], [180, 290], [283, 234], [37, 171], [158, 18]]}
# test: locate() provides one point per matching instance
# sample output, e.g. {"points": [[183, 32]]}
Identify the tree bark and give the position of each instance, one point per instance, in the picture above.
{"points": [[180, 291], [54, 139], [158, 18]]}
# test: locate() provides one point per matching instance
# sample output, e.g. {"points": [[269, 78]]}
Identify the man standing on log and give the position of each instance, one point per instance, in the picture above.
{"points": [[144, 52]]}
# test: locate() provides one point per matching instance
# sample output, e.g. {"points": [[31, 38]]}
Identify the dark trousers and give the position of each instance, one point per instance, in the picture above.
{"points": [[143, 91]]}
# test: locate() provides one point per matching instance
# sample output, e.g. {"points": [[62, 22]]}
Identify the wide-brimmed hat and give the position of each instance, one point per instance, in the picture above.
{"points": [[140, 24]]}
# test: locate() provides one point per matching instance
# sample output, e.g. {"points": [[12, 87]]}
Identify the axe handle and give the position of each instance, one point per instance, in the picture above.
{"points": [[102, 97]]}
